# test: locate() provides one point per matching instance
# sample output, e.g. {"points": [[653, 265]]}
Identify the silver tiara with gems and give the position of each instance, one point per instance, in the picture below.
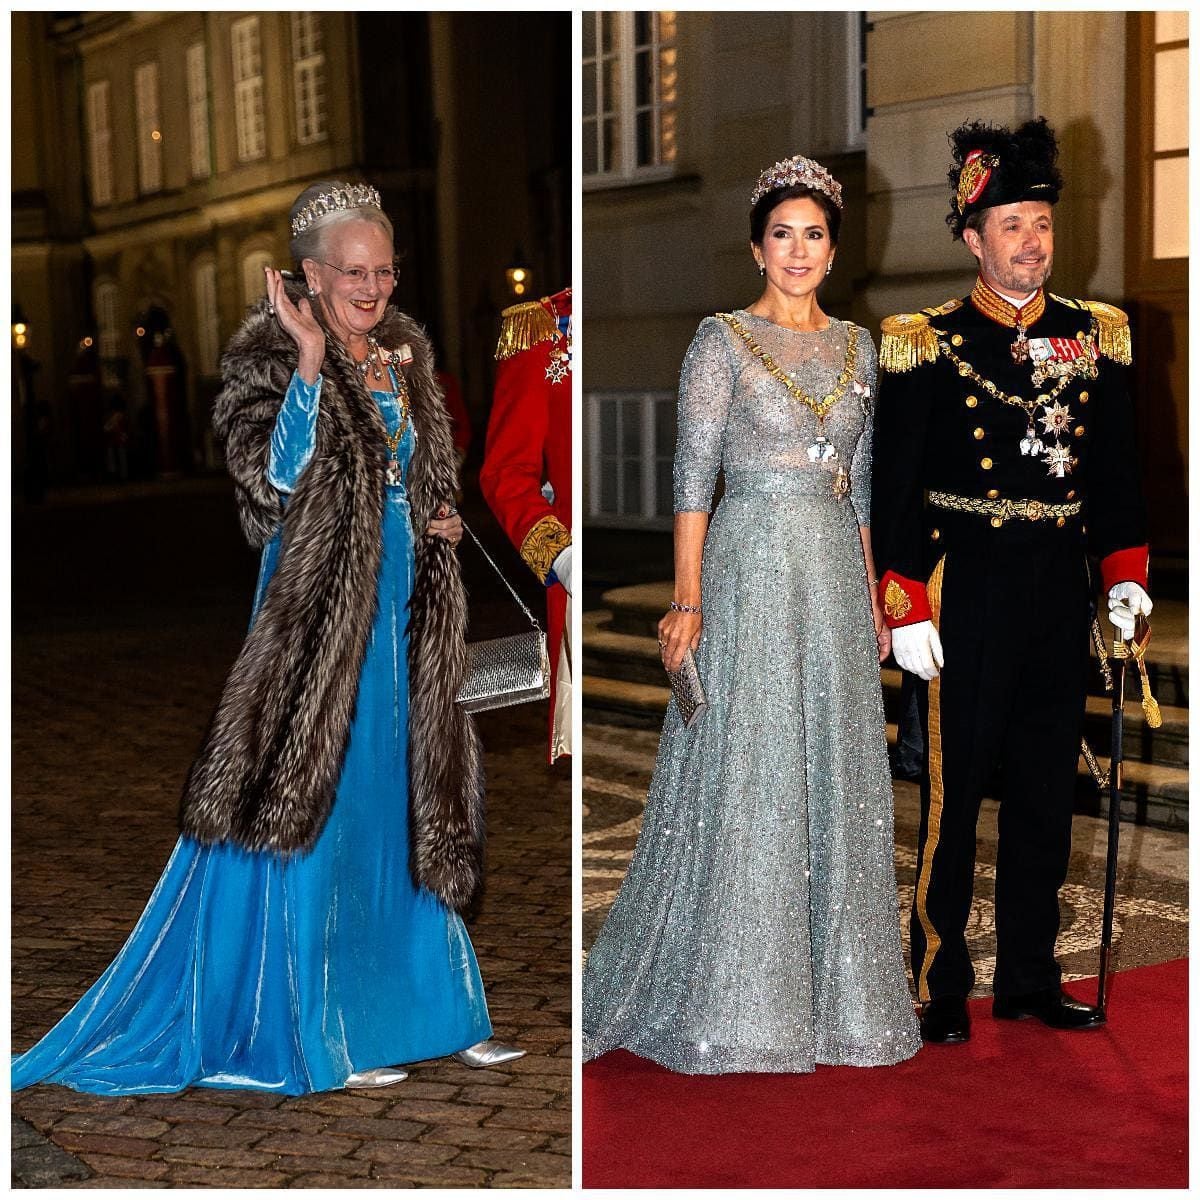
{"points": [[337, 199], [797, 171]]}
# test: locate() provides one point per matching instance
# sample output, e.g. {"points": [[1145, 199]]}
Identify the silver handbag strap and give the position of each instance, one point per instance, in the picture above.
{"points": [[532, 619]]}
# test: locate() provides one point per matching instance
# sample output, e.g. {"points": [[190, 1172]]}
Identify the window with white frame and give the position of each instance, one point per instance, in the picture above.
{"points": [[104, 298], [857, 28], [197, 94], [631, 454], [249, 117], [254, 279], [149, 130], [630, 92], [99, 134], [208, 342], [308, 77]]}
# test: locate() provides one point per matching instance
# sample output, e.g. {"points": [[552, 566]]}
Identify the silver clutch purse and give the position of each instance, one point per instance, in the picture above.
{"points": [[505, 670], [688, 690]]}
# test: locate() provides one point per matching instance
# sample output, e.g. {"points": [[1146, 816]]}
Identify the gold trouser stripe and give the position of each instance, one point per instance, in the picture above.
{"points": [[936, 795]]}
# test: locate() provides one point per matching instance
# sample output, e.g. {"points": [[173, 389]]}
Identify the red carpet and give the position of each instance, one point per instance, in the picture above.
{"points": [[1019, 1106]]}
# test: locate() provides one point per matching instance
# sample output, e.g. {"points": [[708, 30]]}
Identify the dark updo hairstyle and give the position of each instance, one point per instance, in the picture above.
{"points": [[766, 204]]}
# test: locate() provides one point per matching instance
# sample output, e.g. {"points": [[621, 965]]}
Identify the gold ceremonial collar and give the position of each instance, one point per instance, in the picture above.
{"points": [[1004, 312]]}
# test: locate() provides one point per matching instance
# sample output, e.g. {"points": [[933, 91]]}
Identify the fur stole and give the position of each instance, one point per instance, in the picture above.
{"points": [[267, 771]]}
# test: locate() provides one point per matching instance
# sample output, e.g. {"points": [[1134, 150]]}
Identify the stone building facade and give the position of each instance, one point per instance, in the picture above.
{"points": [[872, 95], [167, 148]]}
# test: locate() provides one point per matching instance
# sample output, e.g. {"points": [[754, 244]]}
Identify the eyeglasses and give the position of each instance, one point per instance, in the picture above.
{"points": [[386, 276]]}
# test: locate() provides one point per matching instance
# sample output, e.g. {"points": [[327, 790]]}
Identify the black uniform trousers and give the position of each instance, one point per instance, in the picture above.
{"points": [[1012, 613]]}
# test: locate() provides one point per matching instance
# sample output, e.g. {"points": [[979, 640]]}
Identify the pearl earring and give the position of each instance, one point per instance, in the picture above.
{"points": [[829, 266], [761, 269]]}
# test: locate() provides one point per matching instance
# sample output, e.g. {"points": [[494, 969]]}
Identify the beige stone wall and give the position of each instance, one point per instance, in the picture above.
{"points": [[927, 73]]}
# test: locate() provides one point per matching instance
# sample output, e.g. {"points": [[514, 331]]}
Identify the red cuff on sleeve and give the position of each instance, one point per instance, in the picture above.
{"points": [[1126, 566], [904, 601]]}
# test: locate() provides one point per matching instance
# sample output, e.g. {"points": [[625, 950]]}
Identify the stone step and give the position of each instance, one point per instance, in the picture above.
{"points": [[633, 658], [1153, 793], [635, 612]]}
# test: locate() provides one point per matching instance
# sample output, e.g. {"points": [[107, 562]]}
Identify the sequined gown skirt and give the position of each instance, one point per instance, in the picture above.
{"points": [[249, 970], [757, 928]]}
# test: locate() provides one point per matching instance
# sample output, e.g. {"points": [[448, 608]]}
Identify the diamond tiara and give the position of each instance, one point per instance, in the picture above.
{"points": [[337, 199], [797, 170]]}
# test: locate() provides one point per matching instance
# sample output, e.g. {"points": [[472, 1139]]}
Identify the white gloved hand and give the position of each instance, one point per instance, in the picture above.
{"points": [[1125, 602], [917, 648], [562, 569]]}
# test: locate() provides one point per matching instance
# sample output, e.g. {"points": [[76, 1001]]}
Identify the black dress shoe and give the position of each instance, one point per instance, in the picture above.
{"points": [[944, 1019], [1051, 1006]]}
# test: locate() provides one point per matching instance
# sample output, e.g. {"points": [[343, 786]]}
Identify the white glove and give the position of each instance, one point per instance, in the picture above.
{"points": [[917, 648], [1125, 602], [562, 569]]}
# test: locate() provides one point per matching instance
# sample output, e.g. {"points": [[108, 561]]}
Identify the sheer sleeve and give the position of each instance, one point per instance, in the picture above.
{"points": [[860, 464], [706, 384], [295, 434]]}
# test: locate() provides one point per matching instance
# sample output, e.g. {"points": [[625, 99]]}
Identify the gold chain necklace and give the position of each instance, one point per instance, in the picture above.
{"points": [[1056, 418], [818, 407]]}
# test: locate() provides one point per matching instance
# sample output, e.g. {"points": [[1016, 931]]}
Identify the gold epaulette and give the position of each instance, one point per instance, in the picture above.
{"points": [[548, 538], [1112, 328], [524, 325], [909, 339]]}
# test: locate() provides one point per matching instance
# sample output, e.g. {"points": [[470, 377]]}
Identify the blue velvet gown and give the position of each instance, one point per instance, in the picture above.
{"points": [[251, 970]]}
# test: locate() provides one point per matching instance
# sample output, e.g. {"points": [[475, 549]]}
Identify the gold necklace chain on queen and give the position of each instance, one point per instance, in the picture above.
{"points": [[375, 361]]}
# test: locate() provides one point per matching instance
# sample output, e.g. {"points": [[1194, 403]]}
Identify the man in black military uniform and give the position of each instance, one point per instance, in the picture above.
{"points": [[1003, 457]]}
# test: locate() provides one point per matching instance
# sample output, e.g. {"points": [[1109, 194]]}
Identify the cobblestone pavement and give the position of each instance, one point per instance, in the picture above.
{"points": [[126, 617], [1151, 922]]}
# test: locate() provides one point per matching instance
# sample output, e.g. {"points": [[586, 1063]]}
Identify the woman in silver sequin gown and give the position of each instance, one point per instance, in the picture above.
{"points": [[757, 928]]}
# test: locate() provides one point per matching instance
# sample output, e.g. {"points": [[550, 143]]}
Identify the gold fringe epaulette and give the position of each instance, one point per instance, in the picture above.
{"points": [[543, 544], [524, 325], [909, 339], [1112, 328]]}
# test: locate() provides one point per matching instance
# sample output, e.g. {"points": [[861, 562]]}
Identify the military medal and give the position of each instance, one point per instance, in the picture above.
{"points": [[559, 367], [1020, 347], [822, 450]]}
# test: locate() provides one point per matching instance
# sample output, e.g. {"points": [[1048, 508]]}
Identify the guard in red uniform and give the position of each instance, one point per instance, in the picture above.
{"points": [[1004, 457], [526, 473]]}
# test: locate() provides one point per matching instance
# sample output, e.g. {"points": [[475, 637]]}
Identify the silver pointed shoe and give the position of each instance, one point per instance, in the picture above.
{"points": [[376, 1077], [488, 1053]]}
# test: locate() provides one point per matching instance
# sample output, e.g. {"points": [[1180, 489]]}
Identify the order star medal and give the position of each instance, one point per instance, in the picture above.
{"points": [[1056, 419], [559, 367], [1058, 461]]}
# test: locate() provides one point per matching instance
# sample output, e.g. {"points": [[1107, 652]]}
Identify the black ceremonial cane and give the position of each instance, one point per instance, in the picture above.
{"points": [[1119, 654]]}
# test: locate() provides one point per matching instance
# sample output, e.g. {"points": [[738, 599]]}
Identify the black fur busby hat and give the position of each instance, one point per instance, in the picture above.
{"points": [[993, 165]]}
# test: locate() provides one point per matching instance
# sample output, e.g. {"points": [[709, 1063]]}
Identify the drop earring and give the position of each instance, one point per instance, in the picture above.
{"points": [[762, 270], [829, 266]]}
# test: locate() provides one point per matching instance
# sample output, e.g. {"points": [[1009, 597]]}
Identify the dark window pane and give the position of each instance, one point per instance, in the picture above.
{"points": [[643, 28], [589, 34], [609, 156], [612, 85], [645, 139], [608, 485], [664, 488], [590, 163], [589, 89], [631, 501], [631, 428], [643, 74], [664, 428], [608, 427], [607, 25]]}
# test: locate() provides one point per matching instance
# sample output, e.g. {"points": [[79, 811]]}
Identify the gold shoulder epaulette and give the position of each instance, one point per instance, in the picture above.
{"points": [[524, 325], [909, 340], [1112, 328]]}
